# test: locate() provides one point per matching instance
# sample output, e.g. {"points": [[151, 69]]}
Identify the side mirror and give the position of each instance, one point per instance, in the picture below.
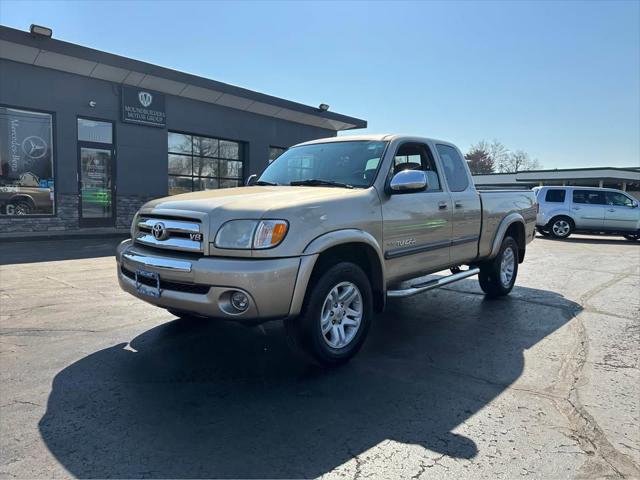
{"points": [[408, 181], [634, 204], [251, 180]]}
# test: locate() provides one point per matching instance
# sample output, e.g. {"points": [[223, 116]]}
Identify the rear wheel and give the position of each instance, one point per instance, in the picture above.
{"points": [[498, 276], [335, 318], [561, 227]]}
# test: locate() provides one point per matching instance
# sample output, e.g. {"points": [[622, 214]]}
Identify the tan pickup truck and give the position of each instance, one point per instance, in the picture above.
{"points": [[328, 232]]}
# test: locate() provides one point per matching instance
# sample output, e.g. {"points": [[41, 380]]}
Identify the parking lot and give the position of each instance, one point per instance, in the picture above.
{"points": [[543, 383]]}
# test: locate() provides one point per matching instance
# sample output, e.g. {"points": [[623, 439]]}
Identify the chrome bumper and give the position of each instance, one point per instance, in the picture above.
{"points": [[269, 283]]}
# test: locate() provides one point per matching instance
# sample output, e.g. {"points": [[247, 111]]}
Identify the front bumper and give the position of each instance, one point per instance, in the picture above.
{"points": [[199, 285]]}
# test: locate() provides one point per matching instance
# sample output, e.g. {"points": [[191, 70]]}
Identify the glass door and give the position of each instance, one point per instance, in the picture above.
{"points": [[96, 178]]}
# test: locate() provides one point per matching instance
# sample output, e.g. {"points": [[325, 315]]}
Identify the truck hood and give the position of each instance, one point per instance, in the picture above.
{"points": [[249, 202]]}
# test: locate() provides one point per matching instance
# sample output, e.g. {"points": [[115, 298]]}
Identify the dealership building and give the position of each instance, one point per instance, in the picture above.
{"points": [[86, 137], [625, 179]]}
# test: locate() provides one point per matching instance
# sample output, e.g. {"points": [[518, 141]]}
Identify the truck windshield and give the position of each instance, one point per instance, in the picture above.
{"points": [[341, 164]]}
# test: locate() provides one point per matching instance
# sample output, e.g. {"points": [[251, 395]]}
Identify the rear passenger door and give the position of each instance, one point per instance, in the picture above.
{"points": [[417, 225], [588, 209], [467, 211], [621, 213]]}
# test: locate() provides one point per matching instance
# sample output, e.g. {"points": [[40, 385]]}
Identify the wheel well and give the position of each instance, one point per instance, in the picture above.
{"points": [[362, 255], [22, 198], [516, 231]]}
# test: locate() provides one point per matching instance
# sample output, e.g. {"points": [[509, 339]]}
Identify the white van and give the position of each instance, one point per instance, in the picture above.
{"points": [[564, 210]]}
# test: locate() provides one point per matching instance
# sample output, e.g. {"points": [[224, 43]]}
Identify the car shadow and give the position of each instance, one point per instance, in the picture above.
{"points": [[591, 239], [13, 253], [201, 399]]}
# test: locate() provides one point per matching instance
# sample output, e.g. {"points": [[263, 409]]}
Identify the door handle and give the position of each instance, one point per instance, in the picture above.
{"points": [[458, 205], [575, 208], [612, 209], [442, 205]]}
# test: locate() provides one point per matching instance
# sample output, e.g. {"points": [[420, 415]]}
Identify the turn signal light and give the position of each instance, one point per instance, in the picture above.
{"points": [[270, 233]]}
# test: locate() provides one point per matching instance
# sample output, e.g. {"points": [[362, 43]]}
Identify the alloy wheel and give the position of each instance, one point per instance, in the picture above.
{"points": [[341, 315]]}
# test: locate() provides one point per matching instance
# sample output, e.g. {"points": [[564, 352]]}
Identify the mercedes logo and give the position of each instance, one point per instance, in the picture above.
{"points": [[145, 99], [159, 232], [34, 147]]}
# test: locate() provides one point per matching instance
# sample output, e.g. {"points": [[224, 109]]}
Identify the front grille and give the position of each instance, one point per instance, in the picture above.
{"points": [[171, 233], [168, 285]]}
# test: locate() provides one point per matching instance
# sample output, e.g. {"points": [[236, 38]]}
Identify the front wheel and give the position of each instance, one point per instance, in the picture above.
{"points": [[335, 317], [498, 276]]}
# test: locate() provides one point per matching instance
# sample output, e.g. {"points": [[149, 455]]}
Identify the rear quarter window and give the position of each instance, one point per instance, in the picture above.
{"points": [[454, 169], [555, 196]]}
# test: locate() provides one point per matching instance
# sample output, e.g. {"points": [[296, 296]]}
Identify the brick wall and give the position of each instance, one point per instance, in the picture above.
{"points": [[67, 216], [127, 206]]}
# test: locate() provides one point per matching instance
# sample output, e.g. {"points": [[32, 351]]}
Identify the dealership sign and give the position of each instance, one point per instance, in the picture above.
{"points": [[143, 107]]}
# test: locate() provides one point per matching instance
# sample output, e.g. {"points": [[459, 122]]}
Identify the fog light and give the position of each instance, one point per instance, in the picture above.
{"points": [[239, 301]]}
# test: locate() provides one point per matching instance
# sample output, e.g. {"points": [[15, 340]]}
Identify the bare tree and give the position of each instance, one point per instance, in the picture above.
{"points": [[518, 161]]}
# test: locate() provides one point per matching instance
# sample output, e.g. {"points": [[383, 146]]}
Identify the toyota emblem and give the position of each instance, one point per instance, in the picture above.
{"points": [[159, 231]]}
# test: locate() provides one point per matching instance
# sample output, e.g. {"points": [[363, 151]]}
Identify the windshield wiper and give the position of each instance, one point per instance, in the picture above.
{"points": [[264, 182], [316, 181]]}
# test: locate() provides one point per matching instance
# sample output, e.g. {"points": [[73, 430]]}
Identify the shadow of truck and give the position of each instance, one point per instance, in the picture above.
{"points": [[214, 399]]}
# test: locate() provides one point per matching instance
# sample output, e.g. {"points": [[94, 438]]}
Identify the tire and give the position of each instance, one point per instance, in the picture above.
{"points": [[22, 207], [495, 280], [634, 237], [561, 227], [324, 312], [541, 231]]}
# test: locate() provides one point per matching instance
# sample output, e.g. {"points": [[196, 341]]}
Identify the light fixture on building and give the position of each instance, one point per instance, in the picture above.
{"points": [[40, 30], [323, 107], [92, 103]]}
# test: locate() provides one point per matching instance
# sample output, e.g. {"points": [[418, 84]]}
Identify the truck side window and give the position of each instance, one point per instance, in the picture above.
{"points": [[590, 197], [454, 169], [415, 156], [618, 199], [555, 196]]}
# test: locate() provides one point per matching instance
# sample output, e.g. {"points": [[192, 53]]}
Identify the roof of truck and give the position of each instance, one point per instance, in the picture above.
{"points": [[372, 137]]}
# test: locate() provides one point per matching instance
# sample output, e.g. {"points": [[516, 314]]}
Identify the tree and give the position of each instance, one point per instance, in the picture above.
{"points": [[484, 157], [479, 160], [517, 161]]}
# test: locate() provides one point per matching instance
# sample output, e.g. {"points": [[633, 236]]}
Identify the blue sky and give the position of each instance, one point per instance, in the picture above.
{"points": [[558, 80]]}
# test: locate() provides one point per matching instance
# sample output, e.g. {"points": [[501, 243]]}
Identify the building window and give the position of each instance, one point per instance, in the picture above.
{"points": [[95, 147], [275, 152], [203, 163], [26, 162]]}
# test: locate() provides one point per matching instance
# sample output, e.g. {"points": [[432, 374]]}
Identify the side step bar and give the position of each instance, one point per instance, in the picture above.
{"points": [[431, 284]]}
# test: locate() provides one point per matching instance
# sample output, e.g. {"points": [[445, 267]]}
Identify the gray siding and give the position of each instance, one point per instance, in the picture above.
{"points": [[141, 152]]}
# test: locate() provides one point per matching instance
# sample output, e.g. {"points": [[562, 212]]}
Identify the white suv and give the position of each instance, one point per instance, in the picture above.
{"points": [[563, 210]]}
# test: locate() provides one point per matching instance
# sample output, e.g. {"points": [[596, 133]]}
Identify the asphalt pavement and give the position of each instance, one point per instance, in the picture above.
{"points": [[544, 383]]}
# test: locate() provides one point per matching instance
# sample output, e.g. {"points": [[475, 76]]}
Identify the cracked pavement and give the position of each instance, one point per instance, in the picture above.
{"points": [[542, 384]]}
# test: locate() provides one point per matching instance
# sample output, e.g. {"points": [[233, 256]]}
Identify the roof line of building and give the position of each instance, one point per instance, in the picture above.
{"points": [[20, 46], [561, 170]]}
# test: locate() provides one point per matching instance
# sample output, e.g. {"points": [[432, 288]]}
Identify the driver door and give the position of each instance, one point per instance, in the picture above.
{"points": [[416, 225]]}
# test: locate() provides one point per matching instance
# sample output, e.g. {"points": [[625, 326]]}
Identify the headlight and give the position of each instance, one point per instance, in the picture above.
{"points": [[246, 234], [236, 234]]}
